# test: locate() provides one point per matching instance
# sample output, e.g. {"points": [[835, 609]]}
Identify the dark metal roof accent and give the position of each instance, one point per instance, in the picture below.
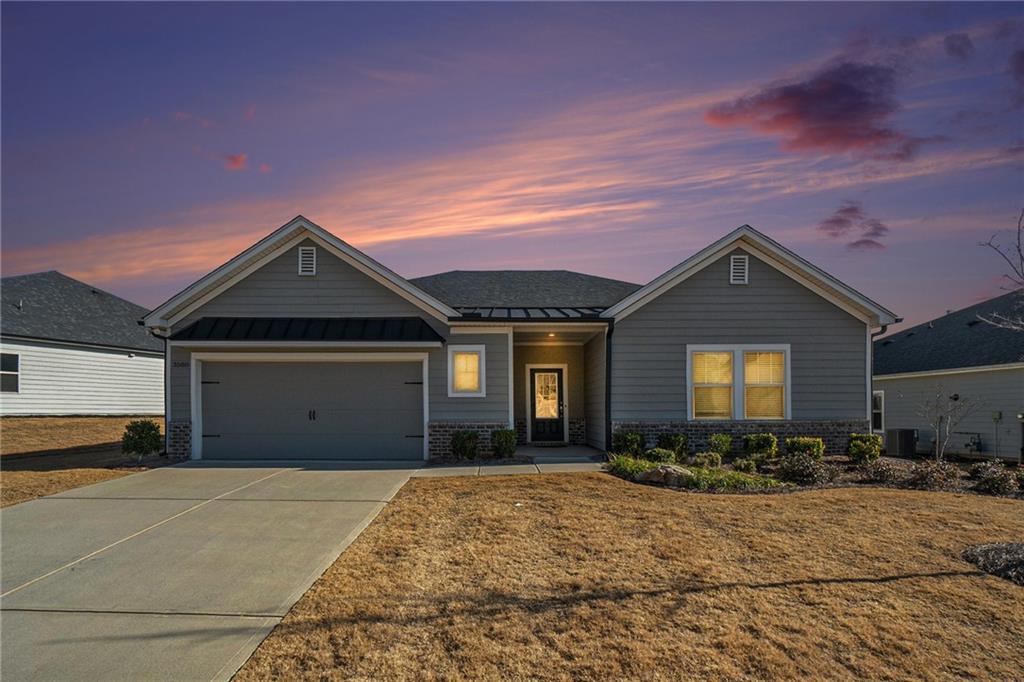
{"points": [[954, 340], [524, 289], [54, 307], [397, 329], [533, 314]]}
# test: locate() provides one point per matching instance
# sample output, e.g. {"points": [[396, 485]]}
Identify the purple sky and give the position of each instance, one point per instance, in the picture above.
{"points": [[144, 145]]}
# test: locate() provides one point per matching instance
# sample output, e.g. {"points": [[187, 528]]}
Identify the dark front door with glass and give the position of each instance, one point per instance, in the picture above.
{"points": [[547, 405]]}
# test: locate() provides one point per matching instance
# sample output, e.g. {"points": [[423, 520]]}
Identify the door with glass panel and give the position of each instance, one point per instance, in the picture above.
{"points": [[547, 406]]}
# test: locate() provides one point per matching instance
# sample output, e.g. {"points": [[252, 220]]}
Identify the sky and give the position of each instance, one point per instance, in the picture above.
{"points": [[145, 144]]}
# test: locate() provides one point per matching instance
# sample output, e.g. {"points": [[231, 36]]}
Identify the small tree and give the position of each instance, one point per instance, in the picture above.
{"points": [[1013, 255], [141, 437], [944, 412]]}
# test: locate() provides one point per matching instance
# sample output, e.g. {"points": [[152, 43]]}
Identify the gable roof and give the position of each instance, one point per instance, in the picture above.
{"points": [[957, 339], [273, 245], [772, 253], [524, 289], [55, 307]]}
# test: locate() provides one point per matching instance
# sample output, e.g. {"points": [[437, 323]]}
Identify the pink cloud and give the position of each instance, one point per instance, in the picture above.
{"points": [[264, 168], [236, 162], [189, 117], [849, 218], [250, 112]]}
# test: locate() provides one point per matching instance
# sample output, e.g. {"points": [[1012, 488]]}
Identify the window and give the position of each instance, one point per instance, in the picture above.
{"points": [[466, 372], [307, 260], [10, 366], [744, 381], [764, 385], [712, 385], [739, 269], [878, 411]]}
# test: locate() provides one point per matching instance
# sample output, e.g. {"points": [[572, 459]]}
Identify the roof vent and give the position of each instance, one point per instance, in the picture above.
{"points": [[738, 269], [307, 260]]}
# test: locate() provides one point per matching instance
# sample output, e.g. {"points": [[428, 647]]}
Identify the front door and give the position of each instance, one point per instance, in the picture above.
{"points": [[547, 405]]}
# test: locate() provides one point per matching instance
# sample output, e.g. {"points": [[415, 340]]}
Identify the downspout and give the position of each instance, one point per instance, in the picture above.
{"points": [[608, 385], [885, 328]]}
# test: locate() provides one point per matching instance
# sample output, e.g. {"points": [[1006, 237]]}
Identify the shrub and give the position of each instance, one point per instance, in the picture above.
{"points": [[805, 445], [933, 475], [747, 466], [660, 455], [628, 467], [464, 444], [503, 442], [723, 480], [997, 480], [765, 444], [720, 443], [141, 437], [1020, 477], [980, 470], [881, 471], [630, 443], [805, 469], [708, 460], [864, 447], [676, 442]]}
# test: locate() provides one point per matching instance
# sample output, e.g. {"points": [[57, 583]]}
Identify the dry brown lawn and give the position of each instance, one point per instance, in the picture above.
{"points": [[44, 434], [591, 577], [22, 486]]}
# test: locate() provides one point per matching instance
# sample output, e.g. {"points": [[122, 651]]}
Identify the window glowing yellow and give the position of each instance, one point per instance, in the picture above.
{"points": [[466, 375], [712, 385], [764, 377]]}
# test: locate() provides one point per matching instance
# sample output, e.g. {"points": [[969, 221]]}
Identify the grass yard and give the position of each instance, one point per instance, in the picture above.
{"points": [[589, 577], [47, 434], [22, 486]]}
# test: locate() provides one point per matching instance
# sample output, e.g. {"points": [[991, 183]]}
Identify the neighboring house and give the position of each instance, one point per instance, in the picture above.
{"points": [[304, 347], [69, 348], [958, 354]]}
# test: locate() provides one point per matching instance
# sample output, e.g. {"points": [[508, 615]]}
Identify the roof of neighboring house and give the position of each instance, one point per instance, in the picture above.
{"points": [[55, 307], [308, 329], [507, 289], [957, 339]]}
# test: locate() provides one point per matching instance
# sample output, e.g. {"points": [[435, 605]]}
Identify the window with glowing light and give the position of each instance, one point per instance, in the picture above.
{"points": [[466, 371]]}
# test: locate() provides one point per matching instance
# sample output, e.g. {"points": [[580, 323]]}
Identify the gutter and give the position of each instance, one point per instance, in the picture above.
{"points": [[608, 385]]}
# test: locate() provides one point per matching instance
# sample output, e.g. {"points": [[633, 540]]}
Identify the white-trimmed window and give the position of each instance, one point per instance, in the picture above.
{"points": [[747, 381], [467, 371], [10, 372], [307, 261], [878, 411]]}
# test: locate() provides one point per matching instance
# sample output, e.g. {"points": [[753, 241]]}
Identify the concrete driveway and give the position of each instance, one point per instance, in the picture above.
{"points": [[177, 573]]}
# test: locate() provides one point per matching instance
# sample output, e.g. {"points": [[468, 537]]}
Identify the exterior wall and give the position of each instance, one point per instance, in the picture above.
{"points": [[575, 384], [835, 432], [440, 433], [65, 380], [594, 391], [828, 346], [1001, 390]]}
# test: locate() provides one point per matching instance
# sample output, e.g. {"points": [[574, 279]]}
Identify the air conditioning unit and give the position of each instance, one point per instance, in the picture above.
{"points": [[901, 442]]}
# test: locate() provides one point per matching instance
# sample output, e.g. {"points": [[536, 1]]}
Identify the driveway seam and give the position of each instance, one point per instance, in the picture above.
{"points": [[206, 614], [135, 535]]}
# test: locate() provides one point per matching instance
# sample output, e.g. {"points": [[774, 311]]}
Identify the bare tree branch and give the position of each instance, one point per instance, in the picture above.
{"points": [[944, 413], [1013, 256]]}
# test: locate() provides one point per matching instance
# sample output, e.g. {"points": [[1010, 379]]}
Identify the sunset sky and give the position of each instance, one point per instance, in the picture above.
{"points": [[143, 145]]}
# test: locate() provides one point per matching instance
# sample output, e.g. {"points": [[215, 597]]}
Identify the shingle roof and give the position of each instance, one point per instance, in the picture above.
{"points": [[524, 289], [53, 306], [308, 329], [957, 339]]}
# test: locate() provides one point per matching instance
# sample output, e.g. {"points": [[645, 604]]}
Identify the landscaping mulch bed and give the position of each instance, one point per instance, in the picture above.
{"points": [[586, 576], [1005, 560]]}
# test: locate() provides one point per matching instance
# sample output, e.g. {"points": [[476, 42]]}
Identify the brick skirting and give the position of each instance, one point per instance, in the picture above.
{"points": [[836, 434], [179, 438], [577, 431], [441, 437]]}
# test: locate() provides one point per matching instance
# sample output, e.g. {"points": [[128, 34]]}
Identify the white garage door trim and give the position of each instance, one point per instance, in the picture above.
{"points": [[196, 378]]}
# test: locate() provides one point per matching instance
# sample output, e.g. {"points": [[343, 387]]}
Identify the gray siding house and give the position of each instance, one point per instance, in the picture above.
{"points": [[304, 347], [958, 354]]}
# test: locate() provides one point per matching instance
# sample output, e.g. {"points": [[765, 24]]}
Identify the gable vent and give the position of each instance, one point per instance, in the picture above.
{"points": [[307, 260], [738, 269]]}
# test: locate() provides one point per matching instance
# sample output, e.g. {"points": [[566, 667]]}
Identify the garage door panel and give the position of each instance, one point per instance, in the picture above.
{"points": [[313, 447]]}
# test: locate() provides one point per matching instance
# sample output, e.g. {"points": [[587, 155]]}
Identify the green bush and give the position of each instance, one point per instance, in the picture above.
{"points": [[628, 467], [880, 471], [660, 455], [503, 442], [997, 480], [630, 443], [720, 443], [141, 437], [805, 445], [933, 475], [804, 469], [464, 444], [864, 447], [676, 442], [723, 480], [747, 466], [765, 444], [708, 460]]}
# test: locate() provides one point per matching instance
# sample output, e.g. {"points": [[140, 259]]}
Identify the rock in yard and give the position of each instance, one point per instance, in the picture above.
{"points": [[666, 474]]}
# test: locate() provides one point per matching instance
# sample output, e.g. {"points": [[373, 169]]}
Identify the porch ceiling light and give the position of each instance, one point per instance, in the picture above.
{"points": [[551, 334]]}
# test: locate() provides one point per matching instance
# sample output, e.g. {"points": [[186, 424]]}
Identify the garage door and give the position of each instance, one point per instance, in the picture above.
{"points": [[307, 410]]}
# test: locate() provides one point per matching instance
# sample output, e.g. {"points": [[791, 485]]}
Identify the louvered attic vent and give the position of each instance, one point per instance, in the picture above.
{"points": [[738, 269], [307, 260]]}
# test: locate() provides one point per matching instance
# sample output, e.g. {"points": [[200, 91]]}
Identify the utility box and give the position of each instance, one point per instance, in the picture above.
{"points": [[901, 442]]}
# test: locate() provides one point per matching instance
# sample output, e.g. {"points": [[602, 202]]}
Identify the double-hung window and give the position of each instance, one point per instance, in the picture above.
{"points": [[466, 372], [739, 382], [10, 371]]}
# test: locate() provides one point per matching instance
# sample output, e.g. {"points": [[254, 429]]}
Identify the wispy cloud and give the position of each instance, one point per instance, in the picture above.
{"points": [[236, 162], [850, 222], [189, 117], [959, 46]]}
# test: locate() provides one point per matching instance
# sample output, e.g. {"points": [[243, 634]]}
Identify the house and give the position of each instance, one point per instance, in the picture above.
{"points": [[69, 348], [956, 354], [304, 347]]}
